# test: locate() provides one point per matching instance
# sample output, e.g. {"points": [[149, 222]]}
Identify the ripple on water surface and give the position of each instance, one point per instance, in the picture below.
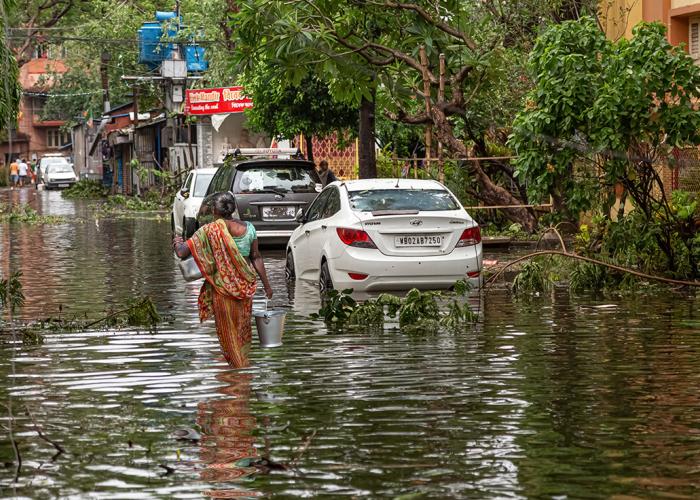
{"points": [[548, 397]]}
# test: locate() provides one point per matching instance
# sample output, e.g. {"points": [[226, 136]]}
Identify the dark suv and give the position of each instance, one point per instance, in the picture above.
{"points": [[269, 193]]}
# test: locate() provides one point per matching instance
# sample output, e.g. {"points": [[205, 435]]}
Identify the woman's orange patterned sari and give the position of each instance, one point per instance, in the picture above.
{"points": [[227, 291]]}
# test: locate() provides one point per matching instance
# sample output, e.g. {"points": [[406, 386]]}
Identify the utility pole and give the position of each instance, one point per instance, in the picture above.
{"points": [[104, 60]]}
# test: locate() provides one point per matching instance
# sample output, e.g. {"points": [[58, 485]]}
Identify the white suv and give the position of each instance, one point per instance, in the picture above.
{"points": [[56, 171], [188, 199]]}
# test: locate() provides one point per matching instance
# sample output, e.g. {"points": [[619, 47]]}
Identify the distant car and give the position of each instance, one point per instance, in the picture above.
{"points": [[50, 159], [188, 200], [58, 175], [269, 193], [385, 234]]}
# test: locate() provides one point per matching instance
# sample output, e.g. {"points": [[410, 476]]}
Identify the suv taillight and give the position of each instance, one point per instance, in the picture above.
{"points": [[355, 238], [471, 236]]}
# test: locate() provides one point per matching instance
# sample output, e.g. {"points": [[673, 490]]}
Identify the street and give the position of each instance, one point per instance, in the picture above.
{"points": [[508, 408]]}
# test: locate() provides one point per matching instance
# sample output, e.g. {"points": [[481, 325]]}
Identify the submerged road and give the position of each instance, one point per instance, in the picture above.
{"points": [[554, 396]]}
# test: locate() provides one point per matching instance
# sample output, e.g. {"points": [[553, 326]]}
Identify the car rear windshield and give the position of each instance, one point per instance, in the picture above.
{"points": [[375, 200], [201, 184], [283, 179], [58, 168], [53, 161]]}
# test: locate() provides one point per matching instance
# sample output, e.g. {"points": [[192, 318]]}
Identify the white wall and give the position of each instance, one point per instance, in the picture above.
{"points": [[213, 144]]}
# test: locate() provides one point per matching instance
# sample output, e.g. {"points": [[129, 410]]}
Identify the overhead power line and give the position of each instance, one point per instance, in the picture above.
{"points": [[60, 38]]}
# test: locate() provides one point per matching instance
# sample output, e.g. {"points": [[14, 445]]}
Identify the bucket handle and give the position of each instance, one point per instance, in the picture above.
{"points": [[266, 318]]}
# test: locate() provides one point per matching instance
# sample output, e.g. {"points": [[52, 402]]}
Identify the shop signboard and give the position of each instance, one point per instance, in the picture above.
{"points": [[215, 101]]}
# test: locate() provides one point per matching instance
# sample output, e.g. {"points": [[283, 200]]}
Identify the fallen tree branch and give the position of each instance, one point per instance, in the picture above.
{"points": [[59, 449], [621, 269], [13, 442]]}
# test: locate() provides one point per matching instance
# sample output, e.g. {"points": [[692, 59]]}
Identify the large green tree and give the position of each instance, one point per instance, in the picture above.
{"points": [[371, 49], [609, 112], [9, 87], [285, 109]]}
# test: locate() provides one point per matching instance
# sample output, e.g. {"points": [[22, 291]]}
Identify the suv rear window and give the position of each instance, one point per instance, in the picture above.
{"points": [[283, 179], [201, 184], [376, 200]]}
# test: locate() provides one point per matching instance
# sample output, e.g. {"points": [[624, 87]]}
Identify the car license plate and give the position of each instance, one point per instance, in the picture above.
{"points": [[418, 240], [279, 212], [63, 185]]}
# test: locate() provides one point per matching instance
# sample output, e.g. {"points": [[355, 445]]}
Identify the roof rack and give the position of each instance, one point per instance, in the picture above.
{"points": [[292, 152]]}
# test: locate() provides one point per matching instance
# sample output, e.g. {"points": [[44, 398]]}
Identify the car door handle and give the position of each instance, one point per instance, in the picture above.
{"points": [[307, 232], [324, 227]]}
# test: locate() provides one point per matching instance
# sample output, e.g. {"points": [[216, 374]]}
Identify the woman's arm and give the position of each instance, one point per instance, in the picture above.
{"points": [[257, 261], [181, 248]]}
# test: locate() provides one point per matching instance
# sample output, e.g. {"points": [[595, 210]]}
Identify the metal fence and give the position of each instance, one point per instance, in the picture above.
{"points": [[686, 175]]}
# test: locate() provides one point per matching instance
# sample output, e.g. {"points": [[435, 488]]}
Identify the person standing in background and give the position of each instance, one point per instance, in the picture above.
{"points": [[23, 172], [14, 174], [326, 174], [32, 171]]}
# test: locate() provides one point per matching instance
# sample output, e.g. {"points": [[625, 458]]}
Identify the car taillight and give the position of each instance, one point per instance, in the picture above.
{"points": [[358, 276], [471, 236], [355, 238]]}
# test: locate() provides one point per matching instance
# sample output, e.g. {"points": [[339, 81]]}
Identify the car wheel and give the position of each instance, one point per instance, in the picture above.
{"points": [[289, 271], [189, 227], [325, 282]]}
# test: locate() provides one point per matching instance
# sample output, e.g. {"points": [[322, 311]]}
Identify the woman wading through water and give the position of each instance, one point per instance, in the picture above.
{"points": [[226, 252]]}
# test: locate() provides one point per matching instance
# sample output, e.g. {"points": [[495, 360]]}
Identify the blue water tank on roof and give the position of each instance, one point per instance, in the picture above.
{"points": [[195, 57], [152, 52], [165, 16], [149, 44]]}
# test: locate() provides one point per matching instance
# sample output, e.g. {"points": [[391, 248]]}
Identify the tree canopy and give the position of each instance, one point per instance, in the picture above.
{"points": [[10, 92], [610, 112], [375, 46], [287, 110]]}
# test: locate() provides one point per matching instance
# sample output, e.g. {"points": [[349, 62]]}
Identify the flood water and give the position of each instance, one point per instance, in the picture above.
{"points": [[554, 397]]}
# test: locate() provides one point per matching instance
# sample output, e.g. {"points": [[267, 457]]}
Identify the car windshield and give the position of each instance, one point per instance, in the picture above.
{"points": [[374, 200], [52, 161], [277, 179], [201, 184], [60, 168]]}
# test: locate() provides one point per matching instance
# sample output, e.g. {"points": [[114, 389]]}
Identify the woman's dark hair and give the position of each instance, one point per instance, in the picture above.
{"points": [[222, 203]]}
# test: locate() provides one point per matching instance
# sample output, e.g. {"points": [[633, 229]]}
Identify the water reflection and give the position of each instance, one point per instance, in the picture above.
{"points": [[228, 442]]}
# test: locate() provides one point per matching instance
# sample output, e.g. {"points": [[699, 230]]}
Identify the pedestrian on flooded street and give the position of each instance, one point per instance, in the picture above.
{"points": [[326, 174], [14, 174], [23, 172], [226, 251]]}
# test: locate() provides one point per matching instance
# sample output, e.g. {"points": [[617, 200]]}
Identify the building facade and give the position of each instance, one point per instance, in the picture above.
{"points": [[35, 136], [681, 17]]}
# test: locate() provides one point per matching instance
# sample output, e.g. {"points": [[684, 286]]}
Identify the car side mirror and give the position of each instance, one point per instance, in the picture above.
{"points": [[299, 217], [185, 193]]}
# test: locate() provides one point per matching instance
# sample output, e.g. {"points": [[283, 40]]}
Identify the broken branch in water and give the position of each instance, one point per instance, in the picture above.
{"points": [[621, 269], [139, 313], [59, 449], [304, 447]]}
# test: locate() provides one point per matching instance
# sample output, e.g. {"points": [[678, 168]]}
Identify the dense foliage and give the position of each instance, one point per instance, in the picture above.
{"points": [[372, 50], [285, 109], [9, 89], [604, 113]]}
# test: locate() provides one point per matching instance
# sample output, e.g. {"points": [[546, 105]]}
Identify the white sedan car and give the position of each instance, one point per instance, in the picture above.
{"points": [[385, 234], [188, 200]]}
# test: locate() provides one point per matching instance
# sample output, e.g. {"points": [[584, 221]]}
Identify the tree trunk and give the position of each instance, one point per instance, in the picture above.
{"points": [[309, 141], [489, 192], [368, 161]]}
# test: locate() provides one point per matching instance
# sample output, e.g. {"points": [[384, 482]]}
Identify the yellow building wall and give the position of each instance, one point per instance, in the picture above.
{"points": [[620, 16], [677, 4]]}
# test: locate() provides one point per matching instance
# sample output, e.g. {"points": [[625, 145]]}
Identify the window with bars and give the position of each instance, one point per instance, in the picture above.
{"points": [[694, 38], [55, 138]]}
